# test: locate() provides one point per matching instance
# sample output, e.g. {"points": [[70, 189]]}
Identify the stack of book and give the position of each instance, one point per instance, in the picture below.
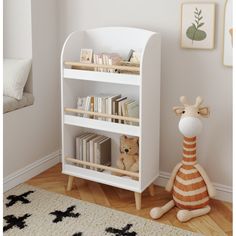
{"points": [[111, 105], [94, 148], [106, 59]]}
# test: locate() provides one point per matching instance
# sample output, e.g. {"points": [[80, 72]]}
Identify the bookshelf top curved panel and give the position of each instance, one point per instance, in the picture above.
{"points": [[108, 39]]}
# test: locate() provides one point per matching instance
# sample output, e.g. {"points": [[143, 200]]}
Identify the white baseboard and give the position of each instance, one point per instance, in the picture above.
{"points": [[31, 170], [223, 192]]}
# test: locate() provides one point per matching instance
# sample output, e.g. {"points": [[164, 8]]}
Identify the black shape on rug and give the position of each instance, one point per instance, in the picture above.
{"points": [[77, 234], [62, 214], [13, 221], [122, 231], [20, 198]]}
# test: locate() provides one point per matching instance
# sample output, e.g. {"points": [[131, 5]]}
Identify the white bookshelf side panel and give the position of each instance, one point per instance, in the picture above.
{"points": [[150, 111]]}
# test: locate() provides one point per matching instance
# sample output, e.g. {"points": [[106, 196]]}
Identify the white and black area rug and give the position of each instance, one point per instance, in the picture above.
{"points": [[36, 212]]}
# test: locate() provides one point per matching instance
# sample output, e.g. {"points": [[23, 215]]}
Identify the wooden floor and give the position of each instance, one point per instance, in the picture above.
{"points": [[218, 222]]}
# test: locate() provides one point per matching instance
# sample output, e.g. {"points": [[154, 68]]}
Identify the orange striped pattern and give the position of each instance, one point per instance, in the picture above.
{"points": [[189, 190]]}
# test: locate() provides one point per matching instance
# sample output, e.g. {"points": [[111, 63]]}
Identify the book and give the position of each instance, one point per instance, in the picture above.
{"points": [[91, 106], [103, 152], [80, 145], [78, 152], [120, 104], [132, 110], [84, 144], [87, 106], [95, 147], [109, 104], [124, 108], [81, 104], [91, 148]]}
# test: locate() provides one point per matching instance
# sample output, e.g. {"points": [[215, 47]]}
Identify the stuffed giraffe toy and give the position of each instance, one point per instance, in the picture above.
{"points": [[190, 186]]}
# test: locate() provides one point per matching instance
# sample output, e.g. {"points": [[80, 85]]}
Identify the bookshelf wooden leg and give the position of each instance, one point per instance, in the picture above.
{"points": [[138, 198], [70, 183], [151, 190]]}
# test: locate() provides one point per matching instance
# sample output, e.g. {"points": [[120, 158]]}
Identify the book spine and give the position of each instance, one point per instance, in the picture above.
{"points": [[99, 107]]}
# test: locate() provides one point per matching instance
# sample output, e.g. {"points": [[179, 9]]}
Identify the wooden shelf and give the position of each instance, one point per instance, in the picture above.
{"points": [[102, 125], [85, 66], [74, 110], [112, 169], [105, 77]]}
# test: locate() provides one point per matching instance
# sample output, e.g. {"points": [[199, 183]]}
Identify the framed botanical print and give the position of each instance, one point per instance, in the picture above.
{"points": [[198, 25]]}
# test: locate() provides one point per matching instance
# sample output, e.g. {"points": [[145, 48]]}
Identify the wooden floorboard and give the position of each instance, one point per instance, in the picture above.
{"points": [[217, 222]]}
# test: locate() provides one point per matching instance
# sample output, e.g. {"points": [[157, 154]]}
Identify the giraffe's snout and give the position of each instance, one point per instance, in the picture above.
{"points": [[190, 126]]}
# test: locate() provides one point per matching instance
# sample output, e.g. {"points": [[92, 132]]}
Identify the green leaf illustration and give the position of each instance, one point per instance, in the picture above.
{"points": [[195, 34], [201, 24], [193, 31]]}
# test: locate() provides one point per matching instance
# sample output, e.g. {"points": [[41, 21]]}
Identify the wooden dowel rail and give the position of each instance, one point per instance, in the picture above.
{"points": [[118, 67], [74, 110], [124, 172]]}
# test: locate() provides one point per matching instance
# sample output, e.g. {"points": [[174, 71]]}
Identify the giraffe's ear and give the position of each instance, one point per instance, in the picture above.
{"points": [[178, 110], [204, 111]]}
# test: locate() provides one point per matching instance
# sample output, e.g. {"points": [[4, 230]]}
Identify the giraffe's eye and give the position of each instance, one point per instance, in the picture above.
{"points": [[183, 112], [198, 112]]}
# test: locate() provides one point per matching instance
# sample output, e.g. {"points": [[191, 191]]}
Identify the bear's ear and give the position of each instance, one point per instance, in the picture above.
{"points": [[123, 137]]}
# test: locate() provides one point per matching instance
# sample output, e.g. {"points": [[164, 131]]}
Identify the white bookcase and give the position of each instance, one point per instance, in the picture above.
{"points": [[144, 87]]}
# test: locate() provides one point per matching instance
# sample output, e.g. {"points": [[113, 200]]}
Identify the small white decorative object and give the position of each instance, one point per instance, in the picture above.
{"points": [[86, 55], [198, 25], [228, 34]]}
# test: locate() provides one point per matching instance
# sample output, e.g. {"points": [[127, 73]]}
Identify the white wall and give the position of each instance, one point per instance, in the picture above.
{"points": [[17, 32], [33, 132], [184, 72]]}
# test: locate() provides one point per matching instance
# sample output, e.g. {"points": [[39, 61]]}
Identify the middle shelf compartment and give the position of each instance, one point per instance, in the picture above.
{"points": [[102, 125]]}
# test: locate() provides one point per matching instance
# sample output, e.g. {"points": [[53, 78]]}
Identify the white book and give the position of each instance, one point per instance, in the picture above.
{"points": [[95, 61], [100, 62], [87, 106], [104, 62]]}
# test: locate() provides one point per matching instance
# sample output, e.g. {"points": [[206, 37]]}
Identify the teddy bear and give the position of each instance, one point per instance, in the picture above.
{"points": [[129, 154]]}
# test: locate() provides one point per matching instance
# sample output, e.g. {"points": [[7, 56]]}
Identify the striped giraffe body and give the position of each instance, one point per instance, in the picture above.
{"points": [[189, 189]]}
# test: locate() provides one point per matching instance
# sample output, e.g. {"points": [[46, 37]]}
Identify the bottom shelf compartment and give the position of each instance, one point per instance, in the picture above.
{"points": [[104, 177]]}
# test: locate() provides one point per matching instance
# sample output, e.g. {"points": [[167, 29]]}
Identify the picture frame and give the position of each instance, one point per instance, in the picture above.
{"points": [[228, 34], [197, 25], [86, 55]]}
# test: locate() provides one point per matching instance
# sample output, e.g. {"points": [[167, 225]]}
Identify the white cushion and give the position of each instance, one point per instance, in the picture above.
{"points": [[15, 75]]}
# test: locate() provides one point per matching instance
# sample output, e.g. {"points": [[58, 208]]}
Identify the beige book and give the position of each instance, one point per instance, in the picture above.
{"points": [[85, 140], [95, 147], [91, 148], [103, 150]]}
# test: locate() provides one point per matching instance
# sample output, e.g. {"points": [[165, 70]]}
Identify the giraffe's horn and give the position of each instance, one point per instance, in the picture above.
{"points": [[184, 101], [199, 101]]}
